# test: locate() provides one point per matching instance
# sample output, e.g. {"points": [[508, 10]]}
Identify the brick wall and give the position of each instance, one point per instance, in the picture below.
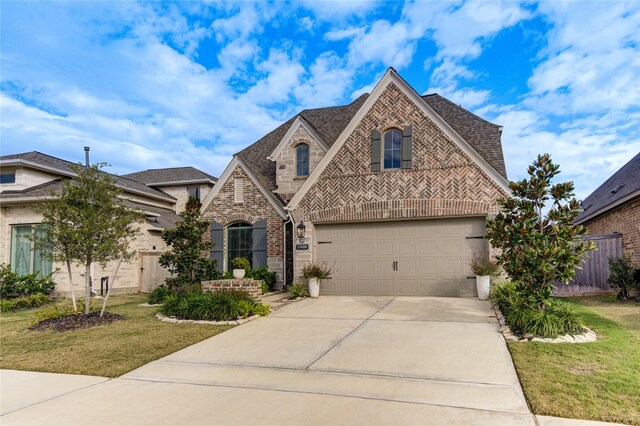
{"points": [[625, 220], [443, 180], [256, 207], [250, 286], [286, 180]]}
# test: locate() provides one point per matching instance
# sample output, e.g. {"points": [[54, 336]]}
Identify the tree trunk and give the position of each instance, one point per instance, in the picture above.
{"points": [[112, 283], [73, 292], [87, 288]]}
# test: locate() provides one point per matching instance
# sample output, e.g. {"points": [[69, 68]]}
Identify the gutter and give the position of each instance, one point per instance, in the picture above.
{"points": [[608, 207]]}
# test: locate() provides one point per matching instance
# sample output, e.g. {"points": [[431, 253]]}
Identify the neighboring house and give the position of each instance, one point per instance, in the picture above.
{"points": [[615, 207], [179, 182], [29, 178], [391, 191]]}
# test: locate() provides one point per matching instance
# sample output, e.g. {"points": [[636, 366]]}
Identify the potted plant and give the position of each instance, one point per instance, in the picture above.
{"points": [[315, 272], [484, 268], [240, 267]]}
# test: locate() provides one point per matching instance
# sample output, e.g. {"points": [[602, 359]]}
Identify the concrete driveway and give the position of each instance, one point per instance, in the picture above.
{"points": [[333, 360]]}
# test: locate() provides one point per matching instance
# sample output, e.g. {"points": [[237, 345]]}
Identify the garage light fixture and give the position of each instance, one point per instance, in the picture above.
{"points": [[300, 230]]}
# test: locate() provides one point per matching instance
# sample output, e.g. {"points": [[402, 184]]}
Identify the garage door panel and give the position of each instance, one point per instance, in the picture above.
{"points": [[433, 257]]}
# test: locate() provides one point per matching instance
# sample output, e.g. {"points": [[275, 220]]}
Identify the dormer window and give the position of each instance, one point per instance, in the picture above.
{"points": [[302, 160]]}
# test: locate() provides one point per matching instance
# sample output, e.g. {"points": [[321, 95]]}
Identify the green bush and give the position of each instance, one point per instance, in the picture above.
{"points": [[220, 306], [52, 311], [265, 275], [13, 286], [160, 294], [24, 302], [299, 290], [262, 310], [621, 276], [526, 319]]}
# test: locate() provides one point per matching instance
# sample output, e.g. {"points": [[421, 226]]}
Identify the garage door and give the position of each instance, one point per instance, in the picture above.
{"points": [[428, 258]]}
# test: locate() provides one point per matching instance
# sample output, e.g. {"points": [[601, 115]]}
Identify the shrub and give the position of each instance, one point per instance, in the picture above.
{"points": [[621, 276], [51, 312], [526, 319], [265, 275], [24, 302], [160, 294], [13, 286], [483, 265], [299, 290], [262, 310], [241, 263], [220, 306], [316, 270]]}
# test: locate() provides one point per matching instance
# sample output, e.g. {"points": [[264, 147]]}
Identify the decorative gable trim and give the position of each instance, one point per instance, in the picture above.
{"points": [[292, 130], [237, 162], [391, 76]]}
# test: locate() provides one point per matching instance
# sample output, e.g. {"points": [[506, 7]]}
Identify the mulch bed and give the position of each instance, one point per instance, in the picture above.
{"points": [[74, 322]]}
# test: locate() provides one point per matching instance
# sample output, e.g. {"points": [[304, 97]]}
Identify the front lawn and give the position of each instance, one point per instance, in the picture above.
{"points": [[108, 350], [595, 381]]}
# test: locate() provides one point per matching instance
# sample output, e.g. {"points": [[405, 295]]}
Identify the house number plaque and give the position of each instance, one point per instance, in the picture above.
{"points": [[302, 246]]}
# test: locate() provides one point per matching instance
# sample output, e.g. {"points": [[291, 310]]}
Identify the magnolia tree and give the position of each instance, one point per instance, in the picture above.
{"points": [[539, 246], [186, 258], [86, 222]]}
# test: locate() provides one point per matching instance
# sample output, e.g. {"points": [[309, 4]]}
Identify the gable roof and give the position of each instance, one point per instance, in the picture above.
{"points": [[328, 123], [63, 167], [482, 135], [623, 186], [171, 176]]}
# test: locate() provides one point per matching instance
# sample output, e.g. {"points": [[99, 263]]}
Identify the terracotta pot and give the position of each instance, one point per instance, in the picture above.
{"points": [[238, 274], [483, 284], [314, 287]]}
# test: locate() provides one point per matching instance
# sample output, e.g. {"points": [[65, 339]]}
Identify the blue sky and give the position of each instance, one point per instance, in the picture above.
{"points": [[150, 85]]}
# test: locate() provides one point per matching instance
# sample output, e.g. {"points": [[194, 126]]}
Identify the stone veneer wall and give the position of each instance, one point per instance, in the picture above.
{"points": [[625, 220], [256, 207], [287, 183], [443, 181], [250, 286]]}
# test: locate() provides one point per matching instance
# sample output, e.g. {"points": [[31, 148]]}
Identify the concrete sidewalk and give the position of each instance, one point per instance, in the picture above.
{"points": [[334, 360]]}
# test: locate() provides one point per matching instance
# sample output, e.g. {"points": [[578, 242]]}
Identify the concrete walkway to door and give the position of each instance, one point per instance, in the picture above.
{"points": [[334, 360]]}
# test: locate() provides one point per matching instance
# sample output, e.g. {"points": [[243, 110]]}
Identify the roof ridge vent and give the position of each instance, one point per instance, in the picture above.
{"points": [[617, 188]]}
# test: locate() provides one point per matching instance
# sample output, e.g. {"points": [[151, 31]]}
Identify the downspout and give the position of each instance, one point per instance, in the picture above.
{"points": [[284, 244]]}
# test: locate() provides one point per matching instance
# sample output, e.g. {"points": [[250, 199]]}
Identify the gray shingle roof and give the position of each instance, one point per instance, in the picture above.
{"points": [[172, 174], [64, 167], [482, 135], [327, 122], [623, 183], [166, 218]]}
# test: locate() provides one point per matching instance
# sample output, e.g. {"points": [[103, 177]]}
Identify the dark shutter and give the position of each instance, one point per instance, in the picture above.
{"points": [[259, 244], [407, 146], [375, 150], [217, 251]]}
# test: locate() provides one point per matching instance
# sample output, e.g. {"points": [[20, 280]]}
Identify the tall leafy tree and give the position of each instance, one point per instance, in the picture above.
{"points": [[539, 248], [86, 222], [187, 258]]}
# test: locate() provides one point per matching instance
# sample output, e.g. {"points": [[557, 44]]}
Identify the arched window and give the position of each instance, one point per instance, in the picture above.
{"points": [[239, 242], [302, 160], [392, 153]]}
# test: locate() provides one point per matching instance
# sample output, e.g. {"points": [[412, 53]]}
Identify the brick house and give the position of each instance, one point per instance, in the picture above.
{"points": [[391, 191], [615, 207], [29, 178]]}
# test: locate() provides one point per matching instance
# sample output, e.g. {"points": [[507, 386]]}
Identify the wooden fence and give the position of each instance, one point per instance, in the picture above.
{"points": [[592, 278]]}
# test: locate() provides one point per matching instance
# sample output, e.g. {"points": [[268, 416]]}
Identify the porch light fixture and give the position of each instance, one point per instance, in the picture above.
{"points": [[300, 230]]}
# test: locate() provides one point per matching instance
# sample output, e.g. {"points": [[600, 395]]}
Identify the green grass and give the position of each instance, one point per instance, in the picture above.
{"points": [[591, 381], [108, 350]]}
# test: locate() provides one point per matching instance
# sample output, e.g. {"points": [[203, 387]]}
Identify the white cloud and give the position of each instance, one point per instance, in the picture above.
{"points": [[305, 23], [339, 9], [326, 84]]}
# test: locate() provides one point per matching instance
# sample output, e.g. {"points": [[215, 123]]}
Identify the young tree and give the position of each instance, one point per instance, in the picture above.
{"points": [[539, 248], [86, 222], [185, 258]]}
